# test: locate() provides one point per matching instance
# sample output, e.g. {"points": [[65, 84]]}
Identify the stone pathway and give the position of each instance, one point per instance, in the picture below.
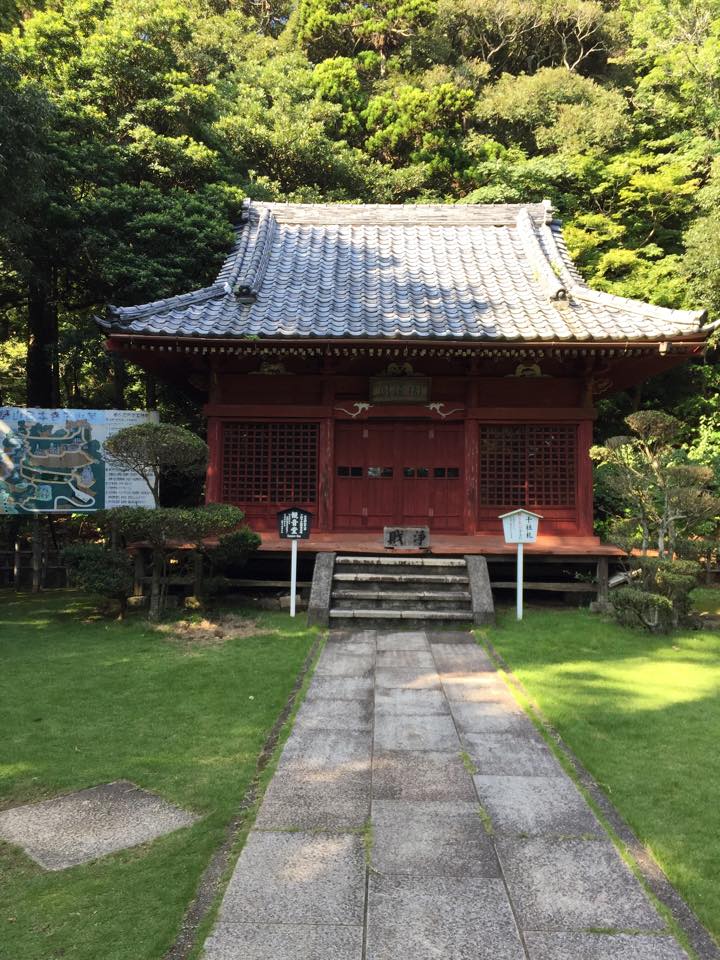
{"points": [[416, 813]]}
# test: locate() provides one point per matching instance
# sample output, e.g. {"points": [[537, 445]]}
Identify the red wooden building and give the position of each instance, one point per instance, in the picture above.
{"points": [[414, 365]]}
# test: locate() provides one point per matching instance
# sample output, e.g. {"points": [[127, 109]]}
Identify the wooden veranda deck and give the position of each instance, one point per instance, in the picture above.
{"points": [[493, 547]]}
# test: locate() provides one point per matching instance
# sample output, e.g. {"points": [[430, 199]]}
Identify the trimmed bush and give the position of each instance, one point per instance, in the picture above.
{"points": [[101, 571], [659, 599]]}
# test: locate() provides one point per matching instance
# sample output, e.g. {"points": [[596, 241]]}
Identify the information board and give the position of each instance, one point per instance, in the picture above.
{"points": [[294, 524], [53, 461]]}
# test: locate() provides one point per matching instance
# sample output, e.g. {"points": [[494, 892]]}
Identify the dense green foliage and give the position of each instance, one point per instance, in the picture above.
{"points": [[84, 701], [106, 573], [130, 131], [149, 449]]}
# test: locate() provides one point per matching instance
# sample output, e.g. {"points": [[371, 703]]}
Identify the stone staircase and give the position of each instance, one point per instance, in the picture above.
{"points": [[384, 590]]}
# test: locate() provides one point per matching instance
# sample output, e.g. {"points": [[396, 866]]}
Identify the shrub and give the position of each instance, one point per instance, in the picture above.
{"points": [[659, 598], [101, 571], [232, 551], [149, 449]]}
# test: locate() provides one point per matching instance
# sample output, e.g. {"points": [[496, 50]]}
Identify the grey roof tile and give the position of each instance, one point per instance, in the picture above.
{"points": [[452, 271]]}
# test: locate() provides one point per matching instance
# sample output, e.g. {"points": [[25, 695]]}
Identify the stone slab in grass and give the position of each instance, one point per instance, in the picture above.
{"points": [[88, 824], [287, 941], [491, 716], [397, 701], [430, 918], [406, 659], [407, 640], [421, 775], [508, 754], [403, 732], [573, 885], [421, 839], [602, 946], [297, 878], [334, 715], [454, 657], [536, 807], [339, 688]]}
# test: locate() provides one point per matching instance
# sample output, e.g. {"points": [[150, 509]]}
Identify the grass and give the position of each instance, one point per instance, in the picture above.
{"points": [[642, 713], [86, 701]]}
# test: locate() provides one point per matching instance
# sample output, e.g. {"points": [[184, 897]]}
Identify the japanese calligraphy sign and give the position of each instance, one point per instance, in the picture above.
{"points": [[520, 526], [414, 538], [294, 524]]}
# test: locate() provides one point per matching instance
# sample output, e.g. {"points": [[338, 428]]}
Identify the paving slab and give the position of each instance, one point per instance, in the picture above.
{"points": [[303, 804], [491, 716], [334, 715], [409, 679], [475, 687], [352, 636], [574, 885], [461, 657], [336, 662], [88, 824], [420, 775], [297, 878], [416, 838], [450, 636], [401, 702], [406, 659], [339, 688], [536, 807], [332, 757], [406, 640], [427, 732], [286, 941], [433, 918], [508, 754], [602, 946]]}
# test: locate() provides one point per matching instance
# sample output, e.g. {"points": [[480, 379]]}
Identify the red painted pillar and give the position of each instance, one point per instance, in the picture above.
{"points": [[472, 475], [213, 478], [326, 468], [584, 479]]}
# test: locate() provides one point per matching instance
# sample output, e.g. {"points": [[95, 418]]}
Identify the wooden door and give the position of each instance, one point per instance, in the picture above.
{"points": [[431, 482], [364, 476], [398, 473]]}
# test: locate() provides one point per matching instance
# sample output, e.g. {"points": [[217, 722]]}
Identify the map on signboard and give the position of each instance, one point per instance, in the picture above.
{"points": [[53, 461]]}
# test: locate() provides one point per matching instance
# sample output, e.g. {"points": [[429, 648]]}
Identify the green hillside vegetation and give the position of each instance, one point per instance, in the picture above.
{"points": [[131, 130]]}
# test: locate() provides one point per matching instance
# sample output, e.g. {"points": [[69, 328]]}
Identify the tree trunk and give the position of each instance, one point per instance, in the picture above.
{"points": [[119, 375], [155, 584], [150, 392], [42, 373]]}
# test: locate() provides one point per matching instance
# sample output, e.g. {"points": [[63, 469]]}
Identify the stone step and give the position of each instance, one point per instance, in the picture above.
{"points": [[401, 561], [369, 602], [371, 594], [399, 578], [435, 615]]}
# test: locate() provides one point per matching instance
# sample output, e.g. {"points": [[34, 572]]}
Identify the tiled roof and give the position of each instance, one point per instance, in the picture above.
{"points": [[453, 272]]}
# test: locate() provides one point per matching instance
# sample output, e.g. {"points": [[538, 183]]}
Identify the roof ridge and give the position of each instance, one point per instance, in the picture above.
{"points": [[410, 214], [551, 283], [167, 303]]}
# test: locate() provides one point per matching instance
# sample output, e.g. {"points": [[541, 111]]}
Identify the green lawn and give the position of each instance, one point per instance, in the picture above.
{"points": [[85, 701], [642, 712]]}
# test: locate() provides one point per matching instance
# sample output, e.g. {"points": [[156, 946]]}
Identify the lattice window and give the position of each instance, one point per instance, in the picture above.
{"points": [[527, 465], [270, 463]]}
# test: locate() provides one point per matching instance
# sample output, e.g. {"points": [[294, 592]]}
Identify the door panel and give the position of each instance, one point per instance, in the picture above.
{"points": [[398, 473]]}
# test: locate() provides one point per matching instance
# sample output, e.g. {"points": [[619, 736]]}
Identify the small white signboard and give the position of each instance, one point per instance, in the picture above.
{"points": [[520, 527]]}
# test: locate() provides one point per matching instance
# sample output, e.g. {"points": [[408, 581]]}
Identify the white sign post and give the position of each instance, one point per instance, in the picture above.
{"points": [[520, 527], [293, 525]]}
